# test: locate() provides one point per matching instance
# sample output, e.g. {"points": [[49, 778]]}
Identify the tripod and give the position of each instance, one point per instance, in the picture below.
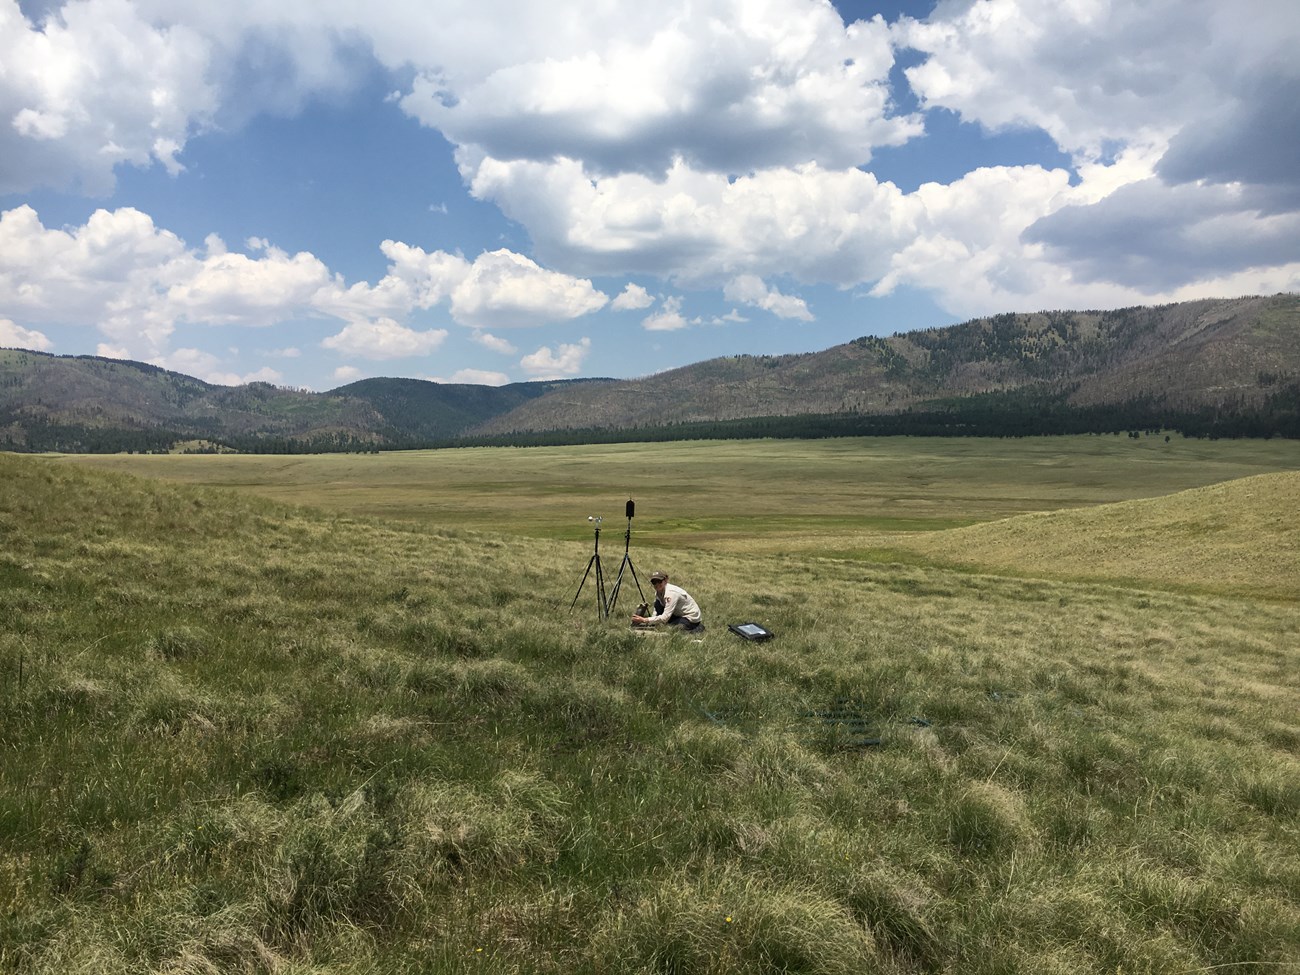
{"points": [[625, 564], [602, 606]]}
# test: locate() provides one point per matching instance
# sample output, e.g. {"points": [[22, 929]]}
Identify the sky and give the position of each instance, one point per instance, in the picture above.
{"points": [[495, 191]]}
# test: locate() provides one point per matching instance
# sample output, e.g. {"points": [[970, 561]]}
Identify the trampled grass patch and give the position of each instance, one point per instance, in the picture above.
{"points": [[254, 738]]}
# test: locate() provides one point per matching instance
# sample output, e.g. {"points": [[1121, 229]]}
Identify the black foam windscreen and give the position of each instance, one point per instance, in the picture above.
{"points": [[631, 507]]}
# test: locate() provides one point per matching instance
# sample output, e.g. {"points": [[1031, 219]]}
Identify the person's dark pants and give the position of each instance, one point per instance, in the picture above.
{"points": [[681, 621]]}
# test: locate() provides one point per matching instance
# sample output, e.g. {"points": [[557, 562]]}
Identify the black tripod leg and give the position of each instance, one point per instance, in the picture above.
{"points": [[594, 560], [640, 592], [627, 561], [618, 583], [602, 610]]}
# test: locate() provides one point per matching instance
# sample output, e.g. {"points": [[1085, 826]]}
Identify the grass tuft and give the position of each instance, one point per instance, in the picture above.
{"points": [[986, 820], [722, 923], [181, 643]]}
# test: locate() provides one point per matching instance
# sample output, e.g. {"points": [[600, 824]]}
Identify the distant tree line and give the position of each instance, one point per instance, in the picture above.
{"points": [[320, 443], [1011, 414], [1017, 413], [25, 434]]}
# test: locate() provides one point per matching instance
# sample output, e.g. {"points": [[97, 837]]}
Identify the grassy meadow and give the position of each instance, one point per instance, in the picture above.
{"points": [[334, 715], [777, 496]]}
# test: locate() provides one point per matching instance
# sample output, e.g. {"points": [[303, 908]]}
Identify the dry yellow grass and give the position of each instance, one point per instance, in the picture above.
{"points": [[1239, 537]]}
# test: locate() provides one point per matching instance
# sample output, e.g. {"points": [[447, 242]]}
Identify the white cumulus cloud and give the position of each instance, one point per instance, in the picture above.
{"points": [[493, 342], [505, 290], [237, 289], [477, 377], [138, 283], [498, 289], [208, 367], [95, 85], [811, 224], [384, 339], [702, 141], [1096, 73], [728, 85], [632, 298], [749, 289], [558, 363], [16, 337], [668, 318]]}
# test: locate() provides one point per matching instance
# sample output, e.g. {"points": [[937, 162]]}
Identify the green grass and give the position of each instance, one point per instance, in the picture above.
{"points": [[1237, 537], [770, 496], [247, 737]]}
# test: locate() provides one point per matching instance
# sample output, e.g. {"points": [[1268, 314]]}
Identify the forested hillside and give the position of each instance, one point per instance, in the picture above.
{"points": [[1212, 365], [93, 404], [1205, 368]]}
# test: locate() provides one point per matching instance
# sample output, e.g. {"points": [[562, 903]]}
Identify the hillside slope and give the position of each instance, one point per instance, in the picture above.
{"points": [[1213, 367], [77, 401], [1213, 353], [1238, 536], [90, 403], [416, 412]]}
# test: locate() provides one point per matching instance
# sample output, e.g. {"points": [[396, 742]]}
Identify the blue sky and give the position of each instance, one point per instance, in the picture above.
{"points": [[501, 191]]}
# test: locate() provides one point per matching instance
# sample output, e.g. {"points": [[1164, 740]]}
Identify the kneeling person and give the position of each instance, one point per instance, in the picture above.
{"points": [[673, 606]]}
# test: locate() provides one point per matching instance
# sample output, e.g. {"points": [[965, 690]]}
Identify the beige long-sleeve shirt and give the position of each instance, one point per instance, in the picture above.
{"points": [[677, 602]]}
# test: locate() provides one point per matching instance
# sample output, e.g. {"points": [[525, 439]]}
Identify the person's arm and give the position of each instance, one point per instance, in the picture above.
{"points": [[670, 604], [645, 619]]}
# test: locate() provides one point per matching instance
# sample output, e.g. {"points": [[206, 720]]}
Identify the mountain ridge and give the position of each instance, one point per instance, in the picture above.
{"points": [[92, 403], [1185, 356], [1212, 366]]}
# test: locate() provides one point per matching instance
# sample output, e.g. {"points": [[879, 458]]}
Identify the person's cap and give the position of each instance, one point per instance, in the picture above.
{"points": [[658, 576]]}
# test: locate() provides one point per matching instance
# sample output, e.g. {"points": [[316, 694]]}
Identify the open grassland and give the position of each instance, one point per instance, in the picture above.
{"points": [[882, 500], [245, 737], [1241, 536], [753, 496]]}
